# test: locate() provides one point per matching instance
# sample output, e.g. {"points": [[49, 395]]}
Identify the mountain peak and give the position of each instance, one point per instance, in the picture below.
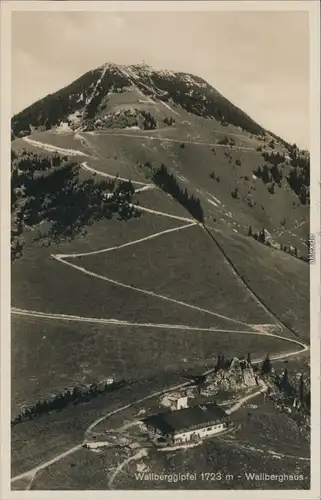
{"points": [[91, 93]]}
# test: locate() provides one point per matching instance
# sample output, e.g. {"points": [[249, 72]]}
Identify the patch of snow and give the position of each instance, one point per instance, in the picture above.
{"points": [[75, 117], [148, 187], [182, 178], [235, 230], [212, 202], [81, 97], [254, 176], [188, 79], [215, 199], [165, 72]]}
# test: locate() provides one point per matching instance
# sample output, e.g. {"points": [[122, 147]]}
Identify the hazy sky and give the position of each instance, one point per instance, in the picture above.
{"points": [[258, 60]]}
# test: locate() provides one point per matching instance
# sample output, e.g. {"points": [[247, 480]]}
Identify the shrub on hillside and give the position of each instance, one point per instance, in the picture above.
{"points": [[299, 177], [273, 157], [234, 193], [263, 172], [277, 174], [214, 177], [169, 121], [271, 188], [226, 141], [149, 122]]}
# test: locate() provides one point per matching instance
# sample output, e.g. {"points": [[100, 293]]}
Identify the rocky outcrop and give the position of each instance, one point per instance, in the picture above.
{"points": [[240, 375]]}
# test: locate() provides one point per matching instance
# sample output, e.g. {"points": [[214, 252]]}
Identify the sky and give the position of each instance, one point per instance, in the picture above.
{"points": [[258, 60]]}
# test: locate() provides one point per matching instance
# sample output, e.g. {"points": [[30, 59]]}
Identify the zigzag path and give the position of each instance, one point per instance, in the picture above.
{"points": [[252, 329]]}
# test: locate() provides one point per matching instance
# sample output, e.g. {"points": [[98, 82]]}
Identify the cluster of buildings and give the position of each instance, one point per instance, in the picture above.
{"points": [[186, 424]]}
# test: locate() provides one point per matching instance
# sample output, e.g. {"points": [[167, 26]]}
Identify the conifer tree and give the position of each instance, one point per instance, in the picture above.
{"points": [[262, 236], [285, 379], [301, 389], [266, 365]]}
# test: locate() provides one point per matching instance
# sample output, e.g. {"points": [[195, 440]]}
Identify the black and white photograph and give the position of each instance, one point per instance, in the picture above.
{"points": [[162, 330]]}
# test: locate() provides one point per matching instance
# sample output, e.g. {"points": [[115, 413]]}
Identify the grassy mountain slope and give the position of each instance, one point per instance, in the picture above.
{"points": [[118, 124]]}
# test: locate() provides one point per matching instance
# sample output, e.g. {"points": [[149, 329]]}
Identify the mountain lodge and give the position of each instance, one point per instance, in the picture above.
{"points": [[187, 424]]}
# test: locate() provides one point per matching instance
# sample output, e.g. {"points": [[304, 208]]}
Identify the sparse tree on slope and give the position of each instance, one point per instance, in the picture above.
{"points": [[266, 365], [262, 236], [301, 389], [219, 361], [285, 379]]}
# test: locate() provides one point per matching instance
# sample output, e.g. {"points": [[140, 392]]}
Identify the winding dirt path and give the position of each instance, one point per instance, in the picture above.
{"points": [[130, 243], [106, 321], [148, 292], [252, 330], [140, 454], [86, 167], [243, 400], [32, 472], [52, 149], [167, 139]]}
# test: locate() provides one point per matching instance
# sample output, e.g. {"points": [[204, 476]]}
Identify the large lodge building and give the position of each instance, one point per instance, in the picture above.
{"points": [[187, 424]]}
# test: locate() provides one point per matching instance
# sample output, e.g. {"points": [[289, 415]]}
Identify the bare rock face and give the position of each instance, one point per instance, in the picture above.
{"points": [[240, 375], [249, 378], [235, 365]]}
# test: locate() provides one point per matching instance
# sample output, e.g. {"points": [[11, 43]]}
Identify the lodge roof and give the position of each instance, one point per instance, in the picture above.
{"points": [[195, 416]]}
